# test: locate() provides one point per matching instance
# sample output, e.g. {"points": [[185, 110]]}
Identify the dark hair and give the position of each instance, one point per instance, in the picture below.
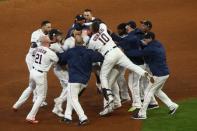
{"points": [[54, 32], [95, 26], [121, 26], [87, 10], [149, 35], [78, 27], [44, 23]]}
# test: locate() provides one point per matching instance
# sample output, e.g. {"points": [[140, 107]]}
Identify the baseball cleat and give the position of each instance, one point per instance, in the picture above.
{"points": [[138, 117], [106, 111], [57, 112], [67, 121], [171, 112], [132, 109], [32, 121], [83, 123], [152, 106]]}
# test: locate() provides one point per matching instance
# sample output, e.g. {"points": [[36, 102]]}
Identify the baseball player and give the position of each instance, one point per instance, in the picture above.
{"points": [[102, 42], [88, 16], [121, 79], [154, 55], [44, 59], [79, 61], [35, 42], [62, 74], [79, 21], [132, 42], [146, 26]]}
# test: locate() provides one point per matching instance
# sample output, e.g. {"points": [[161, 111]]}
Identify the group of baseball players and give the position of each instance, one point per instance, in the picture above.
{"points": [[91, 47]]}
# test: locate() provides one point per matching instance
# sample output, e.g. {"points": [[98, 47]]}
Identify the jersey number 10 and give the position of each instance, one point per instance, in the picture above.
{"points": [[38, 58], [103, 38]]}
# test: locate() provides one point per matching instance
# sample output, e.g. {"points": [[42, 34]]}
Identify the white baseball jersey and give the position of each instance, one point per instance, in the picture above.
{"points": [[35, 37], [101, 41], [57, 47], [44, 58], [69, 43]]}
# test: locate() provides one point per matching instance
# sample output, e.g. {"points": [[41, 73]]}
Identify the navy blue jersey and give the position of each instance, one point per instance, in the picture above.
{"points": [[130, 42], [140, 34], [79, 61], [154, 56]]}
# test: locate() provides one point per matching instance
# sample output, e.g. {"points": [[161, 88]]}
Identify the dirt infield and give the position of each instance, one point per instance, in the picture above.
{"points": [[174, 23]]}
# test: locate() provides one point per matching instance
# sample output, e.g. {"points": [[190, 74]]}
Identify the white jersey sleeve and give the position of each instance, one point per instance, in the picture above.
{"points": [[69, 43], [53, 57], [56, 47], [103, 27]]}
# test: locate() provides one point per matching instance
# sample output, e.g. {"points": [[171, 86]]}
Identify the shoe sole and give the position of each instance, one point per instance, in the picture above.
{"points": [[174, 111], [156, 107], [32, 121], [139, 118]]}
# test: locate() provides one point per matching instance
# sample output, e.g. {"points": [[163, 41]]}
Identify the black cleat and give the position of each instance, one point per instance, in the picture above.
{"points": [[83, 123], [171, 112], [67, 121], [152, 106]]}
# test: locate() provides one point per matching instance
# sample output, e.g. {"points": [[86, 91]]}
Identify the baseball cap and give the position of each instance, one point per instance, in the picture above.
{"points": [[149, 35], [132, 24], [147, 23], [55, 32], [79, 17]]}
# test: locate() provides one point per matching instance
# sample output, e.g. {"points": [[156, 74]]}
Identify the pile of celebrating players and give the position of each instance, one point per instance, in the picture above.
{"points": [[91, 47]]}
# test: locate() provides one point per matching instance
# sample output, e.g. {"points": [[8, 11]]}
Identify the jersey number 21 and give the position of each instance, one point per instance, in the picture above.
{"points": [[38, 58]]}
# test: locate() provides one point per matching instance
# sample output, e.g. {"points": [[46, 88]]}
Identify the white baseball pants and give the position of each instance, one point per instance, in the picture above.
{"points": [[73, 101], [156, 89]]}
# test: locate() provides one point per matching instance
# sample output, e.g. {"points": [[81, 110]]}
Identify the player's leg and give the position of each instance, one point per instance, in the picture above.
{"points": [[153, 103], [124, 94], [106, 68], [62, 75], [133, 81], [125, 62], [69, 108], [151, 89], [116, 92], [108, 107], [73, 92], [25, 95], [41, 88], [164, 98]]}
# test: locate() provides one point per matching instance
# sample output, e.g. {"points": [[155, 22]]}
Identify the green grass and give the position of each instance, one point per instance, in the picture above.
{"points": [[185, 118]]}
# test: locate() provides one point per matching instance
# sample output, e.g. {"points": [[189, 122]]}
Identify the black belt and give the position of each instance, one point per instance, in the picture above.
{"points": [[38, 70], [109, 50]]}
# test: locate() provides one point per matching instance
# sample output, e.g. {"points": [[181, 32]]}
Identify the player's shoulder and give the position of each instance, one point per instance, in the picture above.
{"points": [[103, 26], [69, 40], [38, 31]]}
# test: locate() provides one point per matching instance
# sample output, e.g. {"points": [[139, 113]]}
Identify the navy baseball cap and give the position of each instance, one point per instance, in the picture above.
{"points": [[79, 17], [147, 23], [149, 35], [132, 24]]}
